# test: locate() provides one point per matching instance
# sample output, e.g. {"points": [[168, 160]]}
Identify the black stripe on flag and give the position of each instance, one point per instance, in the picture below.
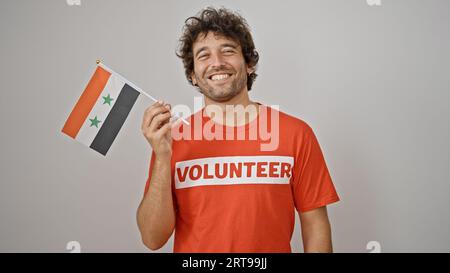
{"points": [[115, 119]]}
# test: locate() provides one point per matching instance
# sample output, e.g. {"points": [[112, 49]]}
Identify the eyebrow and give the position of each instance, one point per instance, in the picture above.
{"points": [[222, 46]]}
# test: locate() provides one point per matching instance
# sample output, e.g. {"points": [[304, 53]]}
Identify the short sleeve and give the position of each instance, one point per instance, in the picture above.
{"points": [[312, 184]]}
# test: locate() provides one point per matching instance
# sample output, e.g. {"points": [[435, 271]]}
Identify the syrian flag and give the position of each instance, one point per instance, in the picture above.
{"points": [[101, 110]]}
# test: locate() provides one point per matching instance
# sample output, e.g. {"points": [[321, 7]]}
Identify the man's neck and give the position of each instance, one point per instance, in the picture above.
{"points": [[242, 99]]}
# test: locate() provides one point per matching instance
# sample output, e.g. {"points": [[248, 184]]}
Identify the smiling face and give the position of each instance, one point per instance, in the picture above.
{"points": [[220, 70]]}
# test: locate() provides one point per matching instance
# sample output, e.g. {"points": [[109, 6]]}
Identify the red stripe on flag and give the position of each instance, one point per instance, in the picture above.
{"points": [[86, 101]]}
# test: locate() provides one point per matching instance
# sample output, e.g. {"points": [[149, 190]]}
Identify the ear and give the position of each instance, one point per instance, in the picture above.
{"points": [[194, 81], [250, 70]]}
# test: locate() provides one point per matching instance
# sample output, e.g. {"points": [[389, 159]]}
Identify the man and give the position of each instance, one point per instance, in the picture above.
{"points": [[226, 194]]}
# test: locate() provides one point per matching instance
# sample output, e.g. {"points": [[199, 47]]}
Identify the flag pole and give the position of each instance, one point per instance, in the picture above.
{"points": [[99, 63]]}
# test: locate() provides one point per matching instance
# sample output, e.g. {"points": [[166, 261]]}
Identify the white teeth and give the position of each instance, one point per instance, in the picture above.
{"points": [[219, 77]]}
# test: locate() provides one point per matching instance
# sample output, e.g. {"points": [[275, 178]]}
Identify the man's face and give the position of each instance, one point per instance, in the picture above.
{"points": [[220, 70]]}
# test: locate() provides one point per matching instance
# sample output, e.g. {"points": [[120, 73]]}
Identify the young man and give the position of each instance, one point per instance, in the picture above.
{"points": [[225, 193]]}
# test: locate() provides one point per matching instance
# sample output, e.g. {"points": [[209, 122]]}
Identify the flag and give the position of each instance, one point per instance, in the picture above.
{"points": [[101, 110]]}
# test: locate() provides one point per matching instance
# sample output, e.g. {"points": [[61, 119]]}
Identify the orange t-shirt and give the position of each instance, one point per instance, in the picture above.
{"points": [[234, 196]]}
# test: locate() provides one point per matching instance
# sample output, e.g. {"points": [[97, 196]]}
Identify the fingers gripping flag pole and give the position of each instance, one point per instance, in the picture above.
{"points": [[102, 109]]}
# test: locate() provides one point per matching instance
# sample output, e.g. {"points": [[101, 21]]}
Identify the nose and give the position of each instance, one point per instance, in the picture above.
{"points": [[217, 60]]}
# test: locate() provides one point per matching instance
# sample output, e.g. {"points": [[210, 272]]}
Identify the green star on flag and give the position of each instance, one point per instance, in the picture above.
{"points": [[94, 122], [107, 100]]}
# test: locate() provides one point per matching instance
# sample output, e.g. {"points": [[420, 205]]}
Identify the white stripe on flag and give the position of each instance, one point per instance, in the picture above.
{"points": [[87, 132]]}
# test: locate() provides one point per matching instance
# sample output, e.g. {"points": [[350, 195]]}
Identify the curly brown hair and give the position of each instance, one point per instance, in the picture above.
{"points": [[221, 22]]}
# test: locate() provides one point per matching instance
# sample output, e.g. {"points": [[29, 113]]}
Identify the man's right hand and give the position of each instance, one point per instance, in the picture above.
{"points": [[156, 213], [156, 128]]}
